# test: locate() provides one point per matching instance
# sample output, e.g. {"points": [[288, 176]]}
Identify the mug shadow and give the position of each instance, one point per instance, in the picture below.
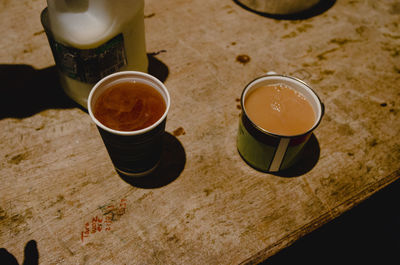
{"points": [[319, 8], [31, 255], [26, 91], [307, 159], [172, 163]]}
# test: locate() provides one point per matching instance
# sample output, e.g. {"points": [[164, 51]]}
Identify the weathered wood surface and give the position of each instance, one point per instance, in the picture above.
{"points": [[206, 206]]}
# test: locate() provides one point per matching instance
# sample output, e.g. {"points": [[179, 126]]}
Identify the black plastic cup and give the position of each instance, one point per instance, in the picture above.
{"points": [[133, 153]]}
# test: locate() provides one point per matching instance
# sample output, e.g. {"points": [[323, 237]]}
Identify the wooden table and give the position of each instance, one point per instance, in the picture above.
{"points": [[205, 205]]}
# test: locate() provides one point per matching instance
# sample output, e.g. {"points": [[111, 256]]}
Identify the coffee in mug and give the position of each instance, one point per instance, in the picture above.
{"points": [[279, 109]]}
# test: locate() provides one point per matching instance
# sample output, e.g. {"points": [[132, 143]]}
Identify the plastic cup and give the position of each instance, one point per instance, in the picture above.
{"points": [[133, 153]]}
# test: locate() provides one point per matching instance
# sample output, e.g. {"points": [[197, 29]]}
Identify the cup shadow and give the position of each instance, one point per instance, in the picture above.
{"points": [[26, 91], [172, 163], [319, 8], [307, 159]]}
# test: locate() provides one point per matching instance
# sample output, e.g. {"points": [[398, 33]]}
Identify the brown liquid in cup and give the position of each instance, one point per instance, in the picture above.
{"points": [[129, 106], [279, 109]]}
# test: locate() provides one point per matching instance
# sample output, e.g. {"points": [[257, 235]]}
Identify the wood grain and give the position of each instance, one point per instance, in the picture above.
{"points": [[205, 205]]}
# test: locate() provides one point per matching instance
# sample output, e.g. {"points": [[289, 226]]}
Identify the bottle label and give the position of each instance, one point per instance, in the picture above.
{"points": [[90, 65]]}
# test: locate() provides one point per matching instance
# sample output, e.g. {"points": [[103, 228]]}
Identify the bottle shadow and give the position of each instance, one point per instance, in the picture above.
{"points": [[172, 163], [306, 161], [315, 10], [31, 255], [26, 91], [156, 67]]}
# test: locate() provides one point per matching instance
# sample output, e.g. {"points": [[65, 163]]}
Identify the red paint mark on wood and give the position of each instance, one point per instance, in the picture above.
{"points": [[110, 213]]}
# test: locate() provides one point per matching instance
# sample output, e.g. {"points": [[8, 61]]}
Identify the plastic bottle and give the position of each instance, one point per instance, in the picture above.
{"points": [[93, 38]]}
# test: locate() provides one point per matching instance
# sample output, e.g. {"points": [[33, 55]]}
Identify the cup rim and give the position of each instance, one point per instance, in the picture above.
{"points": [[129, 74], [266, 76]]}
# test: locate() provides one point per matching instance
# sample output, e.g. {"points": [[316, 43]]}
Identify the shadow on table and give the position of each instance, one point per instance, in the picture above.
{"points": [[307, 159], [31, 255], [173, 160], [26, 91], [319, 8]]}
